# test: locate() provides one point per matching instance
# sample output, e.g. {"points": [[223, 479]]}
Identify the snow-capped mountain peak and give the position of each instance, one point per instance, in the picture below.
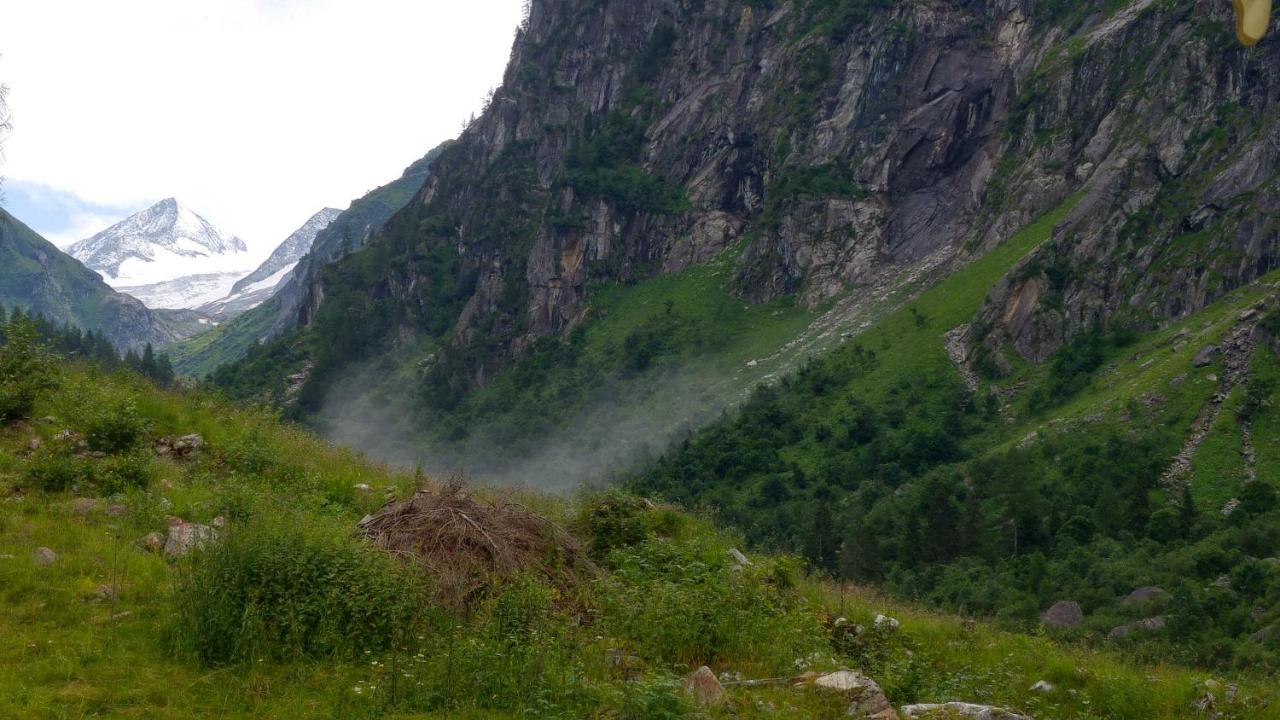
{"points": [[254, 288], [160, 244]]}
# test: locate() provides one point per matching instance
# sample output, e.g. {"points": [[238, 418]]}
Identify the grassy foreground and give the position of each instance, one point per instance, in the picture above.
{"points": [[289, 615]]}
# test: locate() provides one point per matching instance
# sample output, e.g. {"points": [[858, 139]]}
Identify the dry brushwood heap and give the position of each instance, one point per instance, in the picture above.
{"points": [[465, 547]]}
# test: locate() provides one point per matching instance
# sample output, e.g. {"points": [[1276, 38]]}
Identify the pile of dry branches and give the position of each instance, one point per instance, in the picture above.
{"points": [[465, 547]]}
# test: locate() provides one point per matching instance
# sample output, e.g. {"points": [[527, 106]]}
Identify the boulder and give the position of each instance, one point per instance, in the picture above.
{"points": [[1144, 595], [1205, 356], [1063, 614], [84, 506], [961, 710], [736, 555], [867, 700], [1150, 624], [117, 510], [186, 444], [43, 556], [884, 622], [704, 686], [185, 536]]}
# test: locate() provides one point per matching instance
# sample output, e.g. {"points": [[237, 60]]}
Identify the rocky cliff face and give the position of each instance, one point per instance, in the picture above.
{"points": [[836, 143], [1169, 130]]}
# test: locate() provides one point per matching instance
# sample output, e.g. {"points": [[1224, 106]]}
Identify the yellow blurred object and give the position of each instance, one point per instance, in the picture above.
{"points": [[1252, 19]]}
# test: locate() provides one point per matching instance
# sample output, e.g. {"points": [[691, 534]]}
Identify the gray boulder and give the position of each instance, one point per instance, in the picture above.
{"points": [[1144, 595], [1063, 614], [184, 537], [1205, 356], [704, 687], [867, 700], [44, 557]]}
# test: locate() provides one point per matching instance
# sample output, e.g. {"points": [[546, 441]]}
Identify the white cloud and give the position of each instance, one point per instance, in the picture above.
{"points": [[254, 113]]}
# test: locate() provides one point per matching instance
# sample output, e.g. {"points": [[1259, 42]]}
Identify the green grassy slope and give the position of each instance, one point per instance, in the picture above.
{"points": [[878, 464], [73, 651]]}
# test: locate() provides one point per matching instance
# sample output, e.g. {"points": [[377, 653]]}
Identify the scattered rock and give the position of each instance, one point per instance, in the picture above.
{"points": [[961, 710], [1205, 356], [705, 688], [84, 506], [884, 622], [1150, 624], [1205, 703], [867, 699], [1043, 686], [362, 487], [117, 510], [106, 593], [186, 444], [184, 536], [33, 444], [1231, 506], [97, 455], [1064, 613], [1144, 595], [43, 556], [738, 557], [219, 522], [151, 542]]}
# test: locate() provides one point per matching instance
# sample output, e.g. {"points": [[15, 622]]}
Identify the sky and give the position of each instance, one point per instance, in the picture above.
{"points": [[254, 113]]}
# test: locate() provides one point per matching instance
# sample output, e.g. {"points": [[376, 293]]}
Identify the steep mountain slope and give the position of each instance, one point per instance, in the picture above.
{"points": [[281, 313], [166, 255], [253, 289], [835, 151], [38, 277]]}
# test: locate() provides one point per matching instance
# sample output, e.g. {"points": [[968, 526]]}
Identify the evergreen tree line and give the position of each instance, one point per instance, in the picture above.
{"points": [[68, 340]]}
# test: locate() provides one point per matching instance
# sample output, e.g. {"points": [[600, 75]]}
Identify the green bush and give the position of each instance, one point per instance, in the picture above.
{"points": [[26, 370], [679, 602], [113, 426], [57, 469], [118, 474], [613, 520], [284, 588]]}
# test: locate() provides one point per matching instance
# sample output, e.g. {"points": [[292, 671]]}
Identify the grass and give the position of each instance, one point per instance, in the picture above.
{"points": [[69, 652]]}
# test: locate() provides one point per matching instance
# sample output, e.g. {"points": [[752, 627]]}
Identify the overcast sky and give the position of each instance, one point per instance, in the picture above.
{"points": [[255, 113]]}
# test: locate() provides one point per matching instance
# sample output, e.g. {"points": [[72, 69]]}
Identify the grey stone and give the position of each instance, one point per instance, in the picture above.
{"points": [[44, 556], [1063, 614], [1144, 595], [704, 687], [1205, 356], [1151, 624]]}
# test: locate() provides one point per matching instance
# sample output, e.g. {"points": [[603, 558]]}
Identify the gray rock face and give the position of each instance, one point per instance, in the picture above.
{"points": [[1063, 614]]}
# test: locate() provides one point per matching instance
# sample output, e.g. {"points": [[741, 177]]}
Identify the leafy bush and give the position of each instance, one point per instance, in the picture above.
{"points": [[26, 370], [118, 474], [56, 469], [113, 426], [613, 520], [283, 588], [679, 602]]}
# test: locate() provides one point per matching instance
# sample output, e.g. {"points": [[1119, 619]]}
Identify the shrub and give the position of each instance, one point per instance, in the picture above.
{"points": [[135, 470], [26, 370], [113, 426], [57, 469], [677, 602], [282, 587], [613, 520]]}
